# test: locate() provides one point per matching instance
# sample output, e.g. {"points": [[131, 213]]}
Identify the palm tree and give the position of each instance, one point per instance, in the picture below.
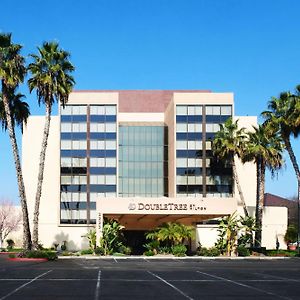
{"points": [[12, 73], [228, 143], [19, 111], [52, 81], [265, 148]]}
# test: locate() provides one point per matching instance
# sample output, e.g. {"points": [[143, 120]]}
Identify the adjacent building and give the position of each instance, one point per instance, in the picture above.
{"points": [[140, 157]]}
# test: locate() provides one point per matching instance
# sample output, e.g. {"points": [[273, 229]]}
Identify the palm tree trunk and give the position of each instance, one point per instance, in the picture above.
{"points": [[35, 239], [12, 135], [293, 159], [235, 176], [260, 169]]}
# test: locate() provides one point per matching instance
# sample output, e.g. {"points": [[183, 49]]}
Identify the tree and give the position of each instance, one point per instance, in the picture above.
{"points": [[284, 116], [12, 73], [228, 143], [10, 219], [264, 147], [51, 78], [19, 111]]}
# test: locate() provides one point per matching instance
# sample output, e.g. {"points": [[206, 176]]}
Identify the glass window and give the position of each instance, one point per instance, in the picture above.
{"points": [[76, 110], [110, 145], [181, 127], [216, 110], [181, 145], [181, 162], [67, 110], [65, 144], [209, 128], [111, 162], [226, 110], [110, 127], [110, 179], [198, 110], [181, 110], [82, 110], [209, 110], [191, 110], [198, 127], [111, 110], [66, 127]]}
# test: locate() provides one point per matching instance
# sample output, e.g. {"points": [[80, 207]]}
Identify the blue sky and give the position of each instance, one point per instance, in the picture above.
{"points": [[250, 48]]}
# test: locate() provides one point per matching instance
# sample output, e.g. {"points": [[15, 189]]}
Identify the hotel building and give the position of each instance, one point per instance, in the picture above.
{"points": [[140, 157]]}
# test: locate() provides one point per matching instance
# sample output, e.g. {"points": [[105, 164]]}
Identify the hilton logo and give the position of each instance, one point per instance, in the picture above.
{"points": [[131, 206]]}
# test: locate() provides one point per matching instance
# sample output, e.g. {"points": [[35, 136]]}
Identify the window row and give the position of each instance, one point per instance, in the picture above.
{"points": [[143, 170], [108, 144], [103, 109], [188, 110], [103, 162], [189, 180], [96, 196], [77, 205], [73, 161], [143, 135], [73, 127], [103, 179], [74, 110], [73, 179], [191, 162], [215, 110], [139, 186], [76, 144], [212, 127], [150, 153], [78, 197], [191, 145], [103, 127], [191, 127]]}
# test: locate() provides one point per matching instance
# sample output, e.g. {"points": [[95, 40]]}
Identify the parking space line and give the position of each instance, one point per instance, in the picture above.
{"points": [[25, 284], [171, 285], [244, 285], [278, 277], [115, 260], [97, 292]]}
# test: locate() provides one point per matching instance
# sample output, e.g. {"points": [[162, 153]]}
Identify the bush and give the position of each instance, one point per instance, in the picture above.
{"points": [[10, 244], [213, 251], [86, 251], [291, 234], [11, 255], [99, 251], [149, 253], [50, 255], [179, 250], [124, 250], [63, 247], [243, 251]]}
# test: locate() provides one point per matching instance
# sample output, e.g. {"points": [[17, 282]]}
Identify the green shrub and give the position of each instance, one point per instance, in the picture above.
{"points": [[63, 247], [213, 251], [149, 253], [99, 251], [50, 255], [86, 251], [124, 250], [179, 250], [10, 244], [164, 250], [11, 255], [291, 234], [243, 251]]}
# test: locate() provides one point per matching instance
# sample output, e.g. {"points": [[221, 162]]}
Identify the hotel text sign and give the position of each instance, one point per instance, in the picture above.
{"points": [[179, 206], [166, 207]]}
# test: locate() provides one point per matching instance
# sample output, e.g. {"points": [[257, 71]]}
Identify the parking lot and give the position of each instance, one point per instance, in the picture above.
{"points": [[150, 279]]}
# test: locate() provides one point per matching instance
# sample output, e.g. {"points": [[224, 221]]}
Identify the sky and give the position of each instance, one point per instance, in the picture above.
{"points": [[250, 48]]}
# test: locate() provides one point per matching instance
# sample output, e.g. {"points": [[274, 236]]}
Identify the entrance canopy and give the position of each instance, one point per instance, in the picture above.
{"points": [[148, 213]]}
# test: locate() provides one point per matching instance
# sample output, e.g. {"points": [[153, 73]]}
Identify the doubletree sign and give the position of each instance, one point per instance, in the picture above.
{"points": [[165, 207]]}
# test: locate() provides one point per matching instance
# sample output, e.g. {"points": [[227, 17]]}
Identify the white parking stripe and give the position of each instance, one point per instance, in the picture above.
{"points": [[244, 285], [171, 285], [277, 277], [25, 284], [97, 292]]}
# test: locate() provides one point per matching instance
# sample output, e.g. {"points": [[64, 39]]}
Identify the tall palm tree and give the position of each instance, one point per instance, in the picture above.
{"points": [[19, 111], [12, 73], [51, 78], [265, 148], [229, 142]]}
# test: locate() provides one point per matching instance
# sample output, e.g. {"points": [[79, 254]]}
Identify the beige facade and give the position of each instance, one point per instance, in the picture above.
{"points": [[137, 212]]}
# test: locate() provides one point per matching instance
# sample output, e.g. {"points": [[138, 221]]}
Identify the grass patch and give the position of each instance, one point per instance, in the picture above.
{"points": [[284, 253], [50, 255]]}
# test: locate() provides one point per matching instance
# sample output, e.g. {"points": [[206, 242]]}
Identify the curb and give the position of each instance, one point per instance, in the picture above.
{"points": [[176, 258], [27, 259]]}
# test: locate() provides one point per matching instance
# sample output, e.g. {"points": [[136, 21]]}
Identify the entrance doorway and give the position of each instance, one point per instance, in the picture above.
{"points": [[135, 239]]}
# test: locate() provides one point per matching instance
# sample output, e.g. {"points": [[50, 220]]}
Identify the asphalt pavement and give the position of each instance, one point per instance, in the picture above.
{"points": [[150, 279]]}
